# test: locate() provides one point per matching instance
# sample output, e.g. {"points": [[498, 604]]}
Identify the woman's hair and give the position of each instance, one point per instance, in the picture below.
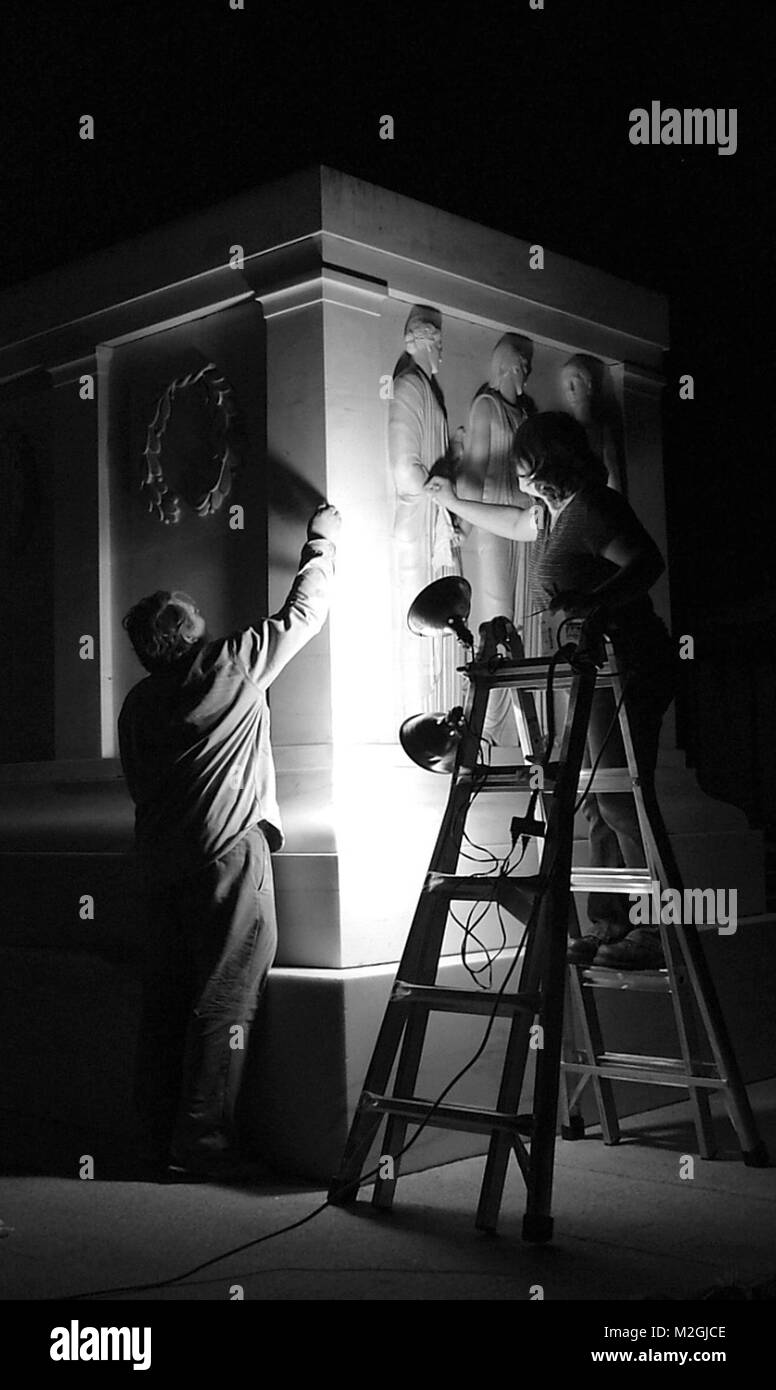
{"points": [[552, 448], [159, 628]]}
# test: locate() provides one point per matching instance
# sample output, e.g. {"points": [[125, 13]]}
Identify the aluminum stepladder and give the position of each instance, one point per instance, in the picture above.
{"points": [[541, 901], [685, 978], [544, 902]]}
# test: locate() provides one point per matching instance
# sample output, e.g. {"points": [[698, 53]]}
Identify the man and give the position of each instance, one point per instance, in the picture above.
{"points": [[195, 749]]}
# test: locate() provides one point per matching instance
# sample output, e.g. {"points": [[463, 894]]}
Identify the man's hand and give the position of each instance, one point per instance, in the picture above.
{"points": [[441, 490], [324, 524], [575, 603]]}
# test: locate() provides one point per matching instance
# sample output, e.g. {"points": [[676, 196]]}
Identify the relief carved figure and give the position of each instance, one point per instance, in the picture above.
{"points": [[499, 570], [426, 538], [582, 381]]}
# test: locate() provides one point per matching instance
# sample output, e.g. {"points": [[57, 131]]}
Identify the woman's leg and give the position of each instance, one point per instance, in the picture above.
{"points": [[612, 830], [615, 835], [648, 695]]}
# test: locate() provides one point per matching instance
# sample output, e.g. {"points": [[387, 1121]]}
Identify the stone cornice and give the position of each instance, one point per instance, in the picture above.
{"points": [[323, 222]]}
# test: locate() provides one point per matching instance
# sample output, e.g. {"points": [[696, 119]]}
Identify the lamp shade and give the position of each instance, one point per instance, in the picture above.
{"points": [[442, 607], [432, 740]]}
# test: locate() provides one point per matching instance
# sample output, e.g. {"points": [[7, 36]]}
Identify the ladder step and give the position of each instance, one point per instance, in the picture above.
{"points": [[607, 779], [471, 1118], [508, 777], [516, 777], [661, 1071], [610, 881], [529, 674], [640, 981], [517, 895], [464, 1001]]}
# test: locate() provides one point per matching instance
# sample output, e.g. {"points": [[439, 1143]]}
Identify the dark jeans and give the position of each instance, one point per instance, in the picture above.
{"points": [[211, 940], [613, 828]]}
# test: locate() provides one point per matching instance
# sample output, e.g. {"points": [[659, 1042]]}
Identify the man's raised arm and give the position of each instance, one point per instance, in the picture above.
{"points": [[268, 647]]}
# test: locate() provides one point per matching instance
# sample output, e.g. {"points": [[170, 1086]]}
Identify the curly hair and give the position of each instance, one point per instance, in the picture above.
{"points": [[159, 628], [552, 449]]}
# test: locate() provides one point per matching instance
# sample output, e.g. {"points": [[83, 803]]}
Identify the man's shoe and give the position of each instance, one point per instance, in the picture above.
{"points": [[639, 950]]}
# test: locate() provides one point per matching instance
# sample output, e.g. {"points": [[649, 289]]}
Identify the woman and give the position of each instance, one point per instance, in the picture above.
{"points": [[590, 550]]}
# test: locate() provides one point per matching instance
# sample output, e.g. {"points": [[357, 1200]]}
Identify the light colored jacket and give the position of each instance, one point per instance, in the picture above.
{"points": [[194, 741]]}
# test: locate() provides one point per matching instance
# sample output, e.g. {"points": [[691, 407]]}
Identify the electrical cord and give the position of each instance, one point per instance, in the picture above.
{"points": [[493, 862], [602, 749], [365, 1178], [502, 866], [471, 923], [310, 1216]]}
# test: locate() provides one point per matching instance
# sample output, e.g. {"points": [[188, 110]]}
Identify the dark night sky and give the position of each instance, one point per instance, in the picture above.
{"points": [[514, 118]]}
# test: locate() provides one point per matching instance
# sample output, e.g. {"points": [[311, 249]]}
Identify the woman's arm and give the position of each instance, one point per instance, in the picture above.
{"points": [[639, 564], [514, 523], [615, 534]]}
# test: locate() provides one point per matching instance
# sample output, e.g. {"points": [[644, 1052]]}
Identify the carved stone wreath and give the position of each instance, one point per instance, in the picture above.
{"points": [[165, 501]]}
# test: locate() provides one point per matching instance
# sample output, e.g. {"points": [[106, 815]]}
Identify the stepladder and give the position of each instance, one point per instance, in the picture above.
{"points": [[532, 996], [706, 1063]]}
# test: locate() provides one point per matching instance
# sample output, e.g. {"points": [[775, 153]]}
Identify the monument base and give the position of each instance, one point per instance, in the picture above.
{"points": [[69, 1022]]}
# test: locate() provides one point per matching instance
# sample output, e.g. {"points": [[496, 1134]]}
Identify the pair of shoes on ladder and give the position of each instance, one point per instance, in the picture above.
{"points": [[640, 949]]}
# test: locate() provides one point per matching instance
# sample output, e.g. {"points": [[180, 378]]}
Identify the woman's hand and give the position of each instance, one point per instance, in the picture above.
{"points": [[441, 490], [536, 517], [575, 603]]}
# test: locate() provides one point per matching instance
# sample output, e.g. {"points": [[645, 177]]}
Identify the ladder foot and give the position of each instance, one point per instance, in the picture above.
{"points": [[342, 1195], [537, 1229], [756, 1157], [575, 1129]]}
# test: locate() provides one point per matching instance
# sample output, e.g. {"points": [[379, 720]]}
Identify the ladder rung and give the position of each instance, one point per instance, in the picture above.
{"points": [[517, 895], [516, 777], [464, 1117], [611, 881], [643, 981], [523, 889], [464, 1001], [512, 777], [661, 1071], [529, 674], [607, 779], [706, 1069]]}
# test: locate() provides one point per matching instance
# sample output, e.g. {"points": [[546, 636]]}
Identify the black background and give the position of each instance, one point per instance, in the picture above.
{"points": [[512, 117]]}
